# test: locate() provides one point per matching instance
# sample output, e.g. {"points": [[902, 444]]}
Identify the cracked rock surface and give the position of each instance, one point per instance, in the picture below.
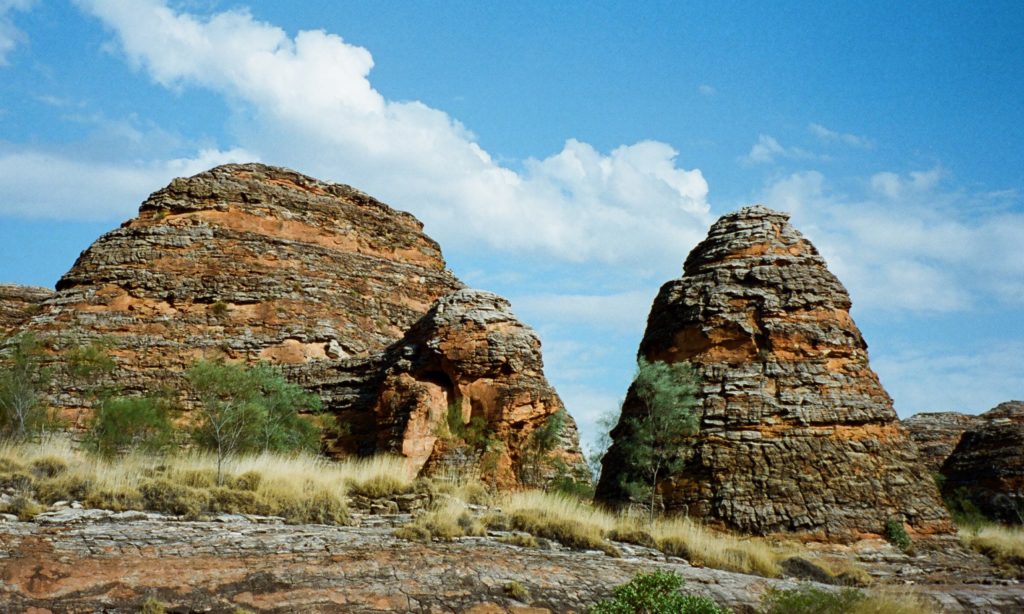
{"points": [[247, 262], [797, 434], [91, 560]]}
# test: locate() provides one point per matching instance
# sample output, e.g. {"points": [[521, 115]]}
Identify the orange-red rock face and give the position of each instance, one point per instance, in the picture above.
{"points": [[797, 433], [256, 263], [470, 356], [248, 262]]}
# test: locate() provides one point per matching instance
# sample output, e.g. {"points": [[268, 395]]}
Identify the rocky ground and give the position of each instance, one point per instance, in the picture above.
{"points": [[99, 561]]}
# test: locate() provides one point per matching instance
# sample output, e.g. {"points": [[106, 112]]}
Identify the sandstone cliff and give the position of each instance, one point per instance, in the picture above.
{"points": [[936, 434], [797, 433], [987, 465], [256, 263], [18, 304]]}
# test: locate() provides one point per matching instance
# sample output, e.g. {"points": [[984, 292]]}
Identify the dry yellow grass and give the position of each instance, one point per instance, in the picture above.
{"points": [[574, 523], [891, 600], [445, 520], [301, 488], [1004, 545]]}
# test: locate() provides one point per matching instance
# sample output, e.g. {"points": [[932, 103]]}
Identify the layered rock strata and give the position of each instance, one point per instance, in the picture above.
{"points": [[18, 304], [987, 465], [468, 365], [247, 262], [936, 434], [796, 432]]}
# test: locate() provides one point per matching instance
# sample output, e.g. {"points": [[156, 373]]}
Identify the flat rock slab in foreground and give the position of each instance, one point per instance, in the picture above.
{"points": [[113, 566]]}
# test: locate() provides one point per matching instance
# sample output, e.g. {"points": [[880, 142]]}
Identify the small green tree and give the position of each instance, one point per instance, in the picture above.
{"points": [[539, 445], [24, 380], [655, 593], [243, 409], [124, 424], [89, 366], [651, 438]]}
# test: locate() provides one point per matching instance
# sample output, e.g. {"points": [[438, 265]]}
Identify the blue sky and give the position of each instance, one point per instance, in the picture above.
{"points": [[567, 155]]}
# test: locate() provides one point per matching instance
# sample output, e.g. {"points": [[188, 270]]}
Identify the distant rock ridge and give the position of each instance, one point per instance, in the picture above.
{"points": [[797, 434], [247, 262], [987, 465], [18, 304], [936, 434]]}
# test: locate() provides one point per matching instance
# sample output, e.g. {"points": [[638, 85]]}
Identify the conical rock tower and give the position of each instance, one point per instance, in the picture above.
{"points": [[796, 432]]}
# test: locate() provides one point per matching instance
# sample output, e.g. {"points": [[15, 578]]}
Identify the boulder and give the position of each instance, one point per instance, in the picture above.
{"points": [[796, 432]]}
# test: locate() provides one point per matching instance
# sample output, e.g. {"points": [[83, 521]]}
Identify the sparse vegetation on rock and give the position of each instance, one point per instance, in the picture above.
{"points": [[655, 593]]}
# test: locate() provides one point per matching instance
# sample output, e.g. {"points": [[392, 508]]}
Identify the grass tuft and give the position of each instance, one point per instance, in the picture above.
{"points": [[1004, 545]]}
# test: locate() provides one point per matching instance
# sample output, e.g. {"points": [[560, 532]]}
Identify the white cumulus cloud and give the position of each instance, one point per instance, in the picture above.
{"points": [[307, 101], [56, 186]]}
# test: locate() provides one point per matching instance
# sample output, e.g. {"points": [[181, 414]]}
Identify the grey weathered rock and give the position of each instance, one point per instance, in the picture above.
{"points": [[936, 434], [987, 465], [797, 433], [18, 304]]}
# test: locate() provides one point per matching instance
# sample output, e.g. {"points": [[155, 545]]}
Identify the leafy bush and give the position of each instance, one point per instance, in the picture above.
{"points": [[249, 409], [655, 593], [896, 534], [125, 424]]}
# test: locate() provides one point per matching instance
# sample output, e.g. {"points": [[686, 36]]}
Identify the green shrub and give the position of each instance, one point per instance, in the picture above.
{"points": [[808, 599], [152, 606], [896, 534], [651, 437], [655, 593], [249, 409], [123, 424]]}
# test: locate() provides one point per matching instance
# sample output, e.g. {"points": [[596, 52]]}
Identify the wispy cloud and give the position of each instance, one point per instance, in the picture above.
{"points": [[907, 242], [767, 149], [831, 136], [308, 102], [10, 35], [706, 90]]}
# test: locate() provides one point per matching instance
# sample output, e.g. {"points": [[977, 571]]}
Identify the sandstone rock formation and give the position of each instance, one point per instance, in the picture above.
{"points": [[471, 364], [797, 433], [249, 262], [936, 434], [18, 304], [987, 465]]}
